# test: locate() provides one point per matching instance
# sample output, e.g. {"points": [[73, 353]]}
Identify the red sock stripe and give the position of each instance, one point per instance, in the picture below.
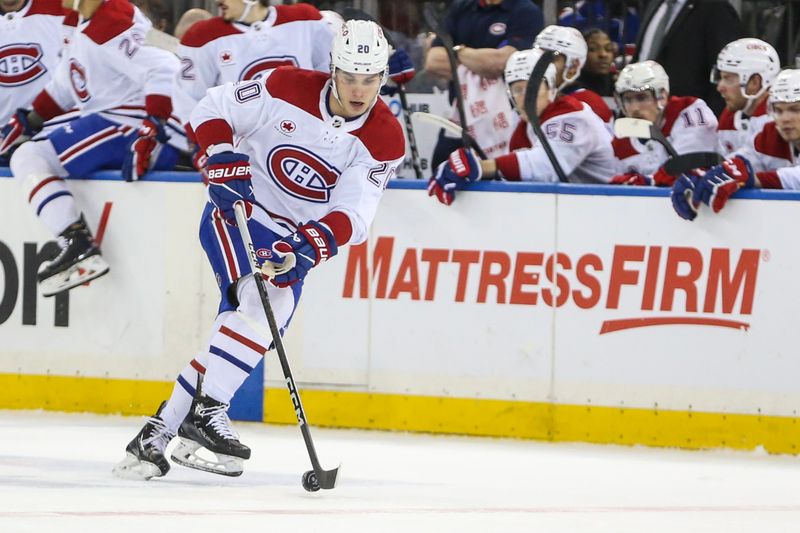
{"points": [[227, 248], [243, 340], [42, 183], [197, 366]]}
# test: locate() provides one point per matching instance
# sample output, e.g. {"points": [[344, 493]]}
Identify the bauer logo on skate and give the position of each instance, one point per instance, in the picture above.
{"points": [[301, 173], [77, 75], [653, 285], [20, 64]]}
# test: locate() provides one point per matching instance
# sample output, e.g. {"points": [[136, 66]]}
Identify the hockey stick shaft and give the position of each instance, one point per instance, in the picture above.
{"points": [[443, 123], [326, 478], [531, 97]]}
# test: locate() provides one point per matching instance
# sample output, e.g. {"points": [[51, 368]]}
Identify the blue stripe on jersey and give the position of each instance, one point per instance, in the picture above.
{"points": [[231, 359], [185, 384], [50, 199]]}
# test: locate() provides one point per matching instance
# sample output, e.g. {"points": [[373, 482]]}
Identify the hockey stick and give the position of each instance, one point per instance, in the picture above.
{"points": [[445, 124], [325, 479], [677, 163], [351, 13], [531, 96], [432, 19]]}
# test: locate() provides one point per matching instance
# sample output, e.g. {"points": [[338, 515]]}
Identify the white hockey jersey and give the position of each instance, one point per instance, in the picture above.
{"points": [[107, 69], [689, 125], [214, 52], [31, 42], [307, 164], [774, 161], [736, 130], [580, 141]]}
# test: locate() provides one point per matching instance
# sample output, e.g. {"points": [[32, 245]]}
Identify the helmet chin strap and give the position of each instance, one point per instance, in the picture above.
{"points": [[248, 5]]}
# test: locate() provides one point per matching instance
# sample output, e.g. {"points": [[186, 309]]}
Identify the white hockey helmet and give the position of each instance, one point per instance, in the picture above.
{"points": [[360, 48], [568, 42], [644, 76], [786, 88], [520, 65], [747, 57]]}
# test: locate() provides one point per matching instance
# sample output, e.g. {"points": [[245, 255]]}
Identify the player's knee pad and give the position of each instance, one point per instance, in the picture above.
{"points": [[33, 162]]}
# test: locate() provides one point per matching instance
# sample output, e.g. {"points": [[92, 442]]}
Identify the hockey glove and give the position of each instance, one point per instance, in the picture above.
{"points": [[143, 150], [401, 71], [17, 131], [295, 255], [631, 178], [229, 182], [462, 165], [720, 182], [682, 196]]}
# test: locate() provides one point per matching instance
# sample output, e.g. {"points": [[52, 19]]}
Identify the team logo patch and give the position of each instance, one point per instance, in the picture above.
{"points": [[301, 173], [257, 68], [287, 126], [498, 28], [263, 253], [226, 57], [77, 76], [20, 64]]}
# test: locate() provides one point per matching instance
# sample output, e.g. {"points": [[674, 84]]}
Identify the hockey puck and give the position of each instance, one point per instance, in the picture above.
{"points": [[310, 482]]}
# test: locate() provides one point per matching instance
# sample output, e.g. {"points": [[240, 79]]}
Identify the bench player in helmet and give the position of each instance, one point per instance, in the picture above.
{"points": [[771, 160], [642, 90], [745, 70], [309, 154], [122, 90], [579, 139]]}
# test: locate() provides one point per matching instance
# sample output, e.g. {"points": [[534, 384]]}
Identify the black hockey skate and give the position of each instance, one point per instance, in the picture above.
{"points": [[145, 453], [208, 426], [79, 261]]}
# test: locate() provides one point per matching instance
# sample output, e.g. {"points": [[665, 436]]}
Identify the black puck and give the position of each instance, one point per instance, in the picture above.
{"points": [[310, 482]]}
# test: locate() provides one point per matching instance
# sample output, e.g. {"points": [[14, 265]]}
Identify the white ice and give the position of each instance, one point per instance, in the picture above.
{"points": [[55, 477]]}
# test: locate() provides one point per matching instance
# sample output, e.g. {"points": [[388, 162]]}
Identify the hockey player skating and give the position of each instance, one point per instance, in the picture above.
{"points": [[122, 90], [309, 155]]}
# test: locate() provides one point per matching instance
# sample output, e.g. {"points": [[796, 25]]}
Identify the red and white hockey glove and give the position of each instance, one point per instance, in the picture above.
{"points": [[462, 165], [144, 148], [16, 132], [631, 178], [229, 182], [295, 255], [720, 182]]}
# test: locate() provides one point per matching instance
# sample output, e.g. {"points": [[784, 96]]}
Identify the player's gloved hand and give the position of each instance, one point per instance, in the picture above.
{"points": [[662, 179], [631, 178], [720, 182], [401, 71], [682, 196], [200, 162], [143, 150], [229, 182], [295, 255], [17, 131], [462, 165]]}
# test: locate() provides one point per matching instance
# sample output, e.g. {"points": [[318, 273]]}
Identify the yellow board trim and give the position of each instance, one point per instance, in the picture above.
{"points": [[460, 416]]}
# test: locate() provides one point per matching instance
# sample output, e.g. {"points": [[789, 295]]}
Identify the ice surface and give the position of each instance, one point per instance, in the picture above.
{"points": [[55, 476]]}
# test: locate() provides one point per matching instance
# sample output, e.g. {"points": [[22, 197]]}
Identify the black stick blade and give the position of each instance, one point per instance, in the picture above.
{"points": [[677, 165], [327, 478]]}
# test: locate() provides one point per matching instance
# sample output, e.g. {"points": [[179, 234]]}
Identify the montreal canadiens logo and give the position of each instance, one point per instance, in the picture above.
{"points": [[498, 28], [77, 75], [301, 173], [20, 64], [263, 253], [257, 68]]}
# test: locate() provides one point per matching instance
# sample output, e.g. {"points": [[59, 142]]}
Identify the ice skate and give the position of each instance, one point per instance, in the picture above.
{"points": [[209, 427], [78, 262], [145, 453]]}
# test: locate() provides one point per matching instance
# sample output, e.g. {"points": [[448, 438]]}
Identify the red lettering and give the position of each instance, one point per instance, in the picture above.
{"points": [[673, 281], [650, 279], [588, 280], [357, 266], [496, 279], [433, 258], [408, 269], [719, 278], [560, 281], [523, 278], [464, 258], [619, 276]]}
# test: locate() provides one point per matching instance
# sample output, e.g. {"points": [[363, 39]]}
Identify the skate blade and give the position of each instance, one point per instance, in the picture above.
{"points": [[134, 469], [90, 268], [185, 454]]}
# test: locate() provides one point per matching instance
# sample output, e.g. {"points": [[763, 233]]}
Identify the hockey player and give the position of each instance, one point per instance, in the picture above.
{"points": [[642, 90], [579, 139], [770, 161], [572, 49], [122, 89], [743, 74], [309, 155], [32, 36]]}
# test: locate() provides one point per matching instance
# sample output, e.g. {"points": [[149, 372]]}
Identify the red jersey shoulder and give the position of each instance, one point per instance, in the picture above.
{"points": [[297, 86], [623, 148], [45, 7], [726, 120], [71, 18], [296, 12], [561, 106], [519, 139], [761, 109], [674, 108], [203, 32], [596, 102], [769, 142], [382, 134], [111, 18]]}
